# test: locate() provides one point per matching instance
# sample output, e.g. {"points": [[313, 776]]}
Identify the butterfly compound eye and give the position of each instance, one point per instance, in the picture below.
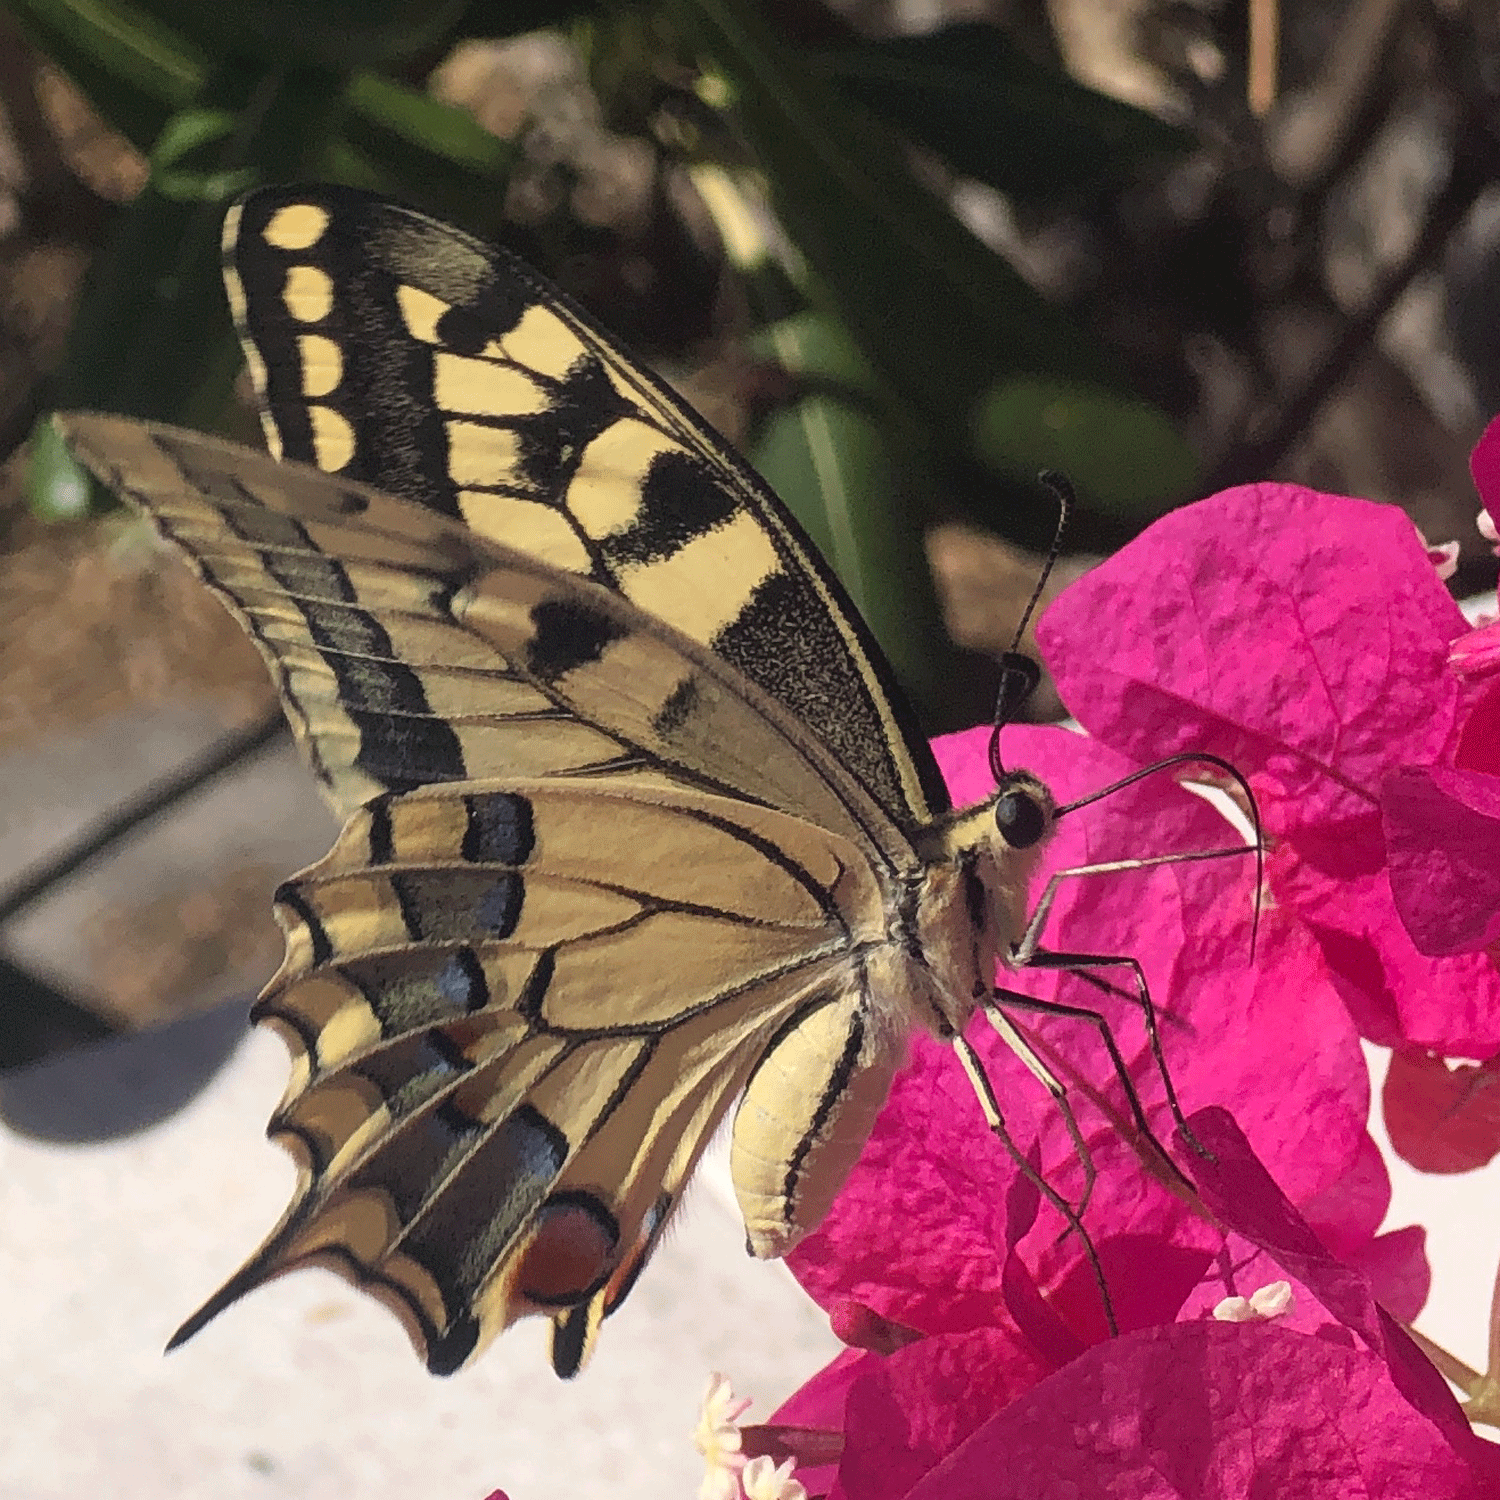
{"points": [[1020, 818]]}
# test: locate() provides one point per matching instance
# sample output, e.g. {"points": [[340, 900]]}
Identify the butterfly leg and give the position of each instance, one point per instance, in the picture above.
{"points": [[1081, 964], [1030, 940], [1028, 953], [1106, 1034], [985, 1092], [1017, 1041]]}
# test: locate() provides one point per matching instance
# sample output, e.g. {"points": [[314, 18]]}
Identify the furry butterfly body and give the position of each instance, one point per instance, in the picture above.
{"points": [[637, 823]]}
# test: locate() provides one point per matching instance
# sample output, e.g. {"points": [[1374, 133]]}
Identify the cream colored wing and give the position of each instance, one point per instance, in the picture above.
{"points": [[516, 1015], [623, 885], [410, 651], [398, 351]]}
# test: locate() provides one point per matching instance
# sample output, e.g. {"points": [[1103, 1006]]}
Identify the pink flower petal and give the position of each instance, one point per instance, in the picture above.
{"points": [[1302, 636], [1398, 1271], [1252, 1037], [1476, 655], [907, 1412], [1395, 994], [1478, 747], [1442, 832], [1240, 1190], [1484, 465], [1350, 1210], [1442, 1117], [1216, 1409], [820, 1405]]}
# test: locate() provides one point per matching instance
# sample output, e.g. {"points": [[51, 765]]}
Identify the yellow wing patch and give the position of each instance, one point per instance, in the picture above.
{"points": [[411, 651]]}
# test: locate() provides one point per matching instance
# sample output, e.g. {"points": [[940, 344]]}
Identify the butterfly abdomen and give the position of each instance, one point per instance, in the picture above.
{"points": [[807, 1112]]}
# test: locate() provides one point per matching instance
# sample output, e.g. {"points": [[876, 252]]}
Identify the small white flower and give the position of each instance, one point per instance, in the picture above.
{"points": [[1260, 1307], [717, 1438], [764, 1480]]}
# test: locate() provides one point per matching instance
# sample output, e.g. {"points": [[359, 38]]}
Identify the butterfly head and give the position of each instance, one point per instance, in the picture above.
{"points": [[967, 907], [1024, 810]]}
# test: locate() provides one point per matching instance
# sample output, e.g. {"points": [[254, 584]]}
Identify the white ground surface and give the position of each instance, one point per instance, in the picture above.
{"points": [[307, 1390]]}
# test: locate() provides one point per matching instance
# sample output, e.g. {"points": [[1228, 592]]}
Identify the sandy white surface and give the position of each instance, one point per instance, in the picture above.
{"points": [[307, 1389]]}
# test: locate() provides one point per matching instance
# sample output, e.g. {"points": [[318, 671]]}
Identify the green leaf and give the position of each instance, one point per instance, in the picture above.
{"points": [[152, 336], [944, 321], [337, 35], [501, 18], [968, 93], [186, 163], [396, 139], [427, 123], [58, 487], [938, 314], [829, 454], [135, 71], [1122, 454]]}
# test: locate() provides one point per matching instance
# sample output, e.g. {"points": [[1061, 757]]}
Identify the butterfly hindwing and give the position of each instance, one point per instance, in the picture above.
{"points": [[483, 1129], [393, 349]]}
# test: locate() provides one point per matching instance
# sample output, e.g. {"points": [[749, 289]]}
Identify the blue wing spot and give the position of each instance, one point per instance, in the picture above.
{"points": [[500, 829]]}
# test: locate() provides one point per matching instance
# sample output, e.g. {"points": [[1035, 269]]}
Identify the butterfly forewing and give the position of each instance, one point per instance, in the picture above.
{"points": [[393, 349], [411, 651]]}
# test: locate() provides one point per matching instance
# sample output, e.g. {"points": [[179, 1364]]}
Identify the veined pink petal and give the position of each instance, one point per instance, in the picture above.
{"points": [[1475, 655], [1442, 1117], [1396, 995], [1228, 1410], [1302, 636], [1398, 1271], [1251, 1037], [1239, 1189], [1442, 833], [907, 1412]]}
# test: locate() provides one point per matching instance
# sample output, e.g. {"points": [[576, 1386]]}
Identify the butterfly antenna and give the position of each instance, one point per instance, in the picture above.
{"points": [[1019, 674], [1192, 757]]}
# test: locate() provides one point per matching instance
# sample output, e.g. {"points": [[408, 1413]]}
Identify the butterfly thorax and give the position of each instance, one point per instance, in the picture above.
{"points": [[964, 907]]}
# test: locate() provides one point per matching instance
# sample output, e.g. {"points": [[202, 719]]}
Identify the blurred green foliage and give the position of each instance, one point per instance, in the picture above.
{"points": [[914, 350]]}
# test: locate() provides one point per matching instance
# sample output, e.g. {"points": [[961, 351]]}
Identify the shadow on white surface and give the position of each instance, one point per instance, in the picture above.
{"points": [[308, 1390], [125, 1084]]}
